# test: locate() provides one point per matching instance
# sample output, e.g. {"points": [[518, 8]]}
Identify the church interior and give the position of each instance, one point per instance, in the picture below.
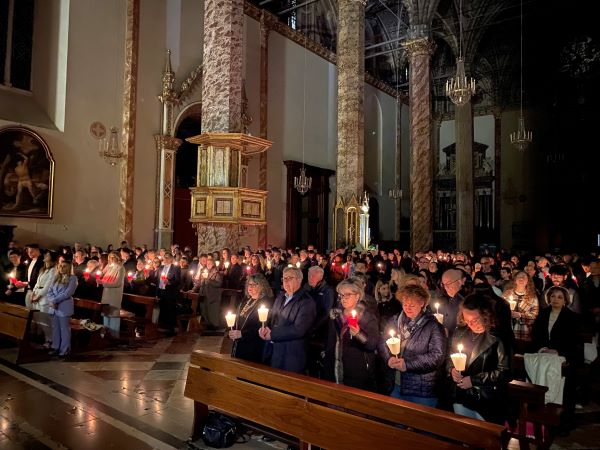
{"points": [[415, 125]]}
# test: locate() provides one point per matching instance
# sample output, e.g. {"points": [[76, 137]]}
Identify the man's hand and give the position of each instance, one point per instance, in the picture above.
{"points": [[265, 333], [235, 334], [397, 363], [354, 330]]}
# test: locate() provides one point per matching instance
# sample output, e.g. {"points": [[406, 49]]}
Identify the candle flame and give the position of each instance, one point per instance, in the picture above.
{"points": [[353, 313], [437, 305], [392, 333], [460, 348]]}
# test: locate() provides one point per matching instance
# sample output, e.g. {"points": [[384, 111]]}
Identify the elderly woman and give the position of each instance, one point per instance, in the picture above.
{"points": [[247, 344], [422, 348], [112, 280], [352, 339], [479, 390], [39, 297], [61, 305], [524, 312]]}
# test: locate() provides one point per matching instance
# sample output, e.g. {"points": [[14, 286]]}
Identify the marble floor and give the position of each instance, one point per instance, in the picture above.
{"points": [[131, 397]]}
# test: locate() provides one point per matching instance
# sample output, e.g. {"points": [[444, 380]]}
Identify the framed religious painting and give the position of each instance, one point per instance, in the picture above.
{"points": [[26, 174]]}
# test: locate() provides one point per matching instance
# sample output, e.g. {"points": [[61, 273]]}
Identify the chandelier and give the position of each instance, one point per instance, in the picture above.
{"points": [[460, 89], [521, 138], [303, 183], [108, 148]]}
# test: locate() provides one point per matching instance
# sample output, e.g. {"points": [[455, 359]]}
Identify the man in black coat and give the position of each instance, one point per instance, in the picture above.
{"points": [[169, 282], [17, 273], [290, 321]]}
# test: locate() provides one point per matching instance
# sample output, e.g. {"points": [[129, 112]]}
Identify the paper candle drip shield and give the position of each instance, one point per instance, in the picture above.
{"points": [[393, 344], [459, 359]]}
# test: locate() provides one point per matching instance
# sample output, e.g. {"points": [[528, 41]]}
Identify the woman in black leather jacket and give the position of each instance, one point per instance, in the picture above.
{"points": [[479, 390]]}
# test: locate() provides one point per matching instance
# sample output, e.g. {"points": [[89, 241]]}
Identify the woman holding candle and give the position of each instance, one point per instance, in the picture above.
{"points": [[247, 343], [521, 290], [112, 281], [479, 390], [422, 348], [352, 339]]}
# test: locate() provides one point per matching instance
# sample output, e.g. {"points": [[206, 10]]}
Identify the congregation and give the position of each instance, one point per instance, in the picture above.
{"points": [[384, 321]]}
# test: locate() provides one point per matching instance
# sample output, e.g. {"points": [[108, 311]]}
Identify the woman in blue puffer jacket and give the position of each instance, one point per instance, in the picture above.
{"points": [[422, 348]]}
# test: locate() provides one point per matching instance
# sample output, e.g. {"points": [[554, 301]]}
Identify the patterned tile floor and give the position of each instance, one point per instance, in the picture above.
{"points": [[132, 398]]}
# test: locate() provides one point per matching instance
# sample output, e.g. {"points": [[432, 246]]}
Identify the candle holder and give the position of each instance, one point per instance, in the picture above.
{"points": [[263, 314], [230, 319], [459, 359], [393, 344]]}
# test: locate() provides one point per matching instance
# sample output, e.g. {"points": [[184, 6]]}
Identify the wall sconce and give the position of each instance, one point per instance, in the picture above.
{"points": [[107, 148]]}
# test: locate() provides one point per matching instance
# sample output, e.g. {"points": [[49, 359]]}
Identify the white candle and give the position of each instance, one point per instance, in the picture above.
{"points": [[205, 274], [393, 344], [230, 319], [226, 264], [269, 265], [289, 265], [217, 263], [459, 359], [512, 303], [263, 314], [298, 264], [437, 308]]}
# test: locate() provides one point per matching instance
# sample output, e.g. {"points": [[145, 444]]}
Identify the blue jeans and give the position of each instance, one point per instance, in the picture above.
{"points": [[426, 401], [462, 410]]}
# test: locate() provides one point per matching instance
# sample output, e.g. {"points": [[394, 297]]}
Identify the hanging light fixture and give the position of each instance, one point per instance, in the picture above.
{"points": [[521, 138], [460, 89], [303, 183]]}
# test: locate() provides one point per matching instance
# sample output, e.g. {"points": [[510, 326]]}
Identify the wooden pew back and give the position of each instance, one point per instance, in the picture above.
{"points": [[325, 414], [14, 320], [93, 306]]}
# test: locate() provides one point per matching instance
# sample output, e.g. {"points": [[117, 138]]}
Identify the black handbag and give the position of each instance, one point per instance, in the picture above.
{"points": [[220, 430]]}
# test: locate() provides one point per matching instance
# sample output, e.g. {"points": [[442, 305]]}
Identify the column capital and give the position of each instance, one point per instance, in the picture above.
{"points": [[166, 142], [422, 46]]}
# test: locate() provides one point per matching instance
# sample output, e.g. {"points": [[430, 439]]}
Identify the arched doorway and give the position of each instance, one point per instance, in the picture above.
{"points": [[186, 164]]}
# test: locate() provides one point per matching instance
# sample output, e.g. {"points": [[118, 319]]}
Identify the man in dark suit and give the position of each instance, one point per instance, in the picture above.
{"points": [[169, 282], [292, 317], [235, 275], [17, 272]]}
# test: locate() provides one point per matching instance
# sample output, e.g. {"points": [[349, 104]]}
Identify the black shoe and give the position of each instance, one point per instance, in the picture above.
{"points": [[53, 352], [63, 357]]}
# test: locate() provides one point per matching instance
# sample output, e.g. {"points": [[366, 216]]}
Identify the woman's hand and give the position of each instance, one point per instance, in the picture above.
{"points": [[397, 363], [235, 334], [354, 330], [548, 350], [456, 376], [515, 314], [465, 383]]}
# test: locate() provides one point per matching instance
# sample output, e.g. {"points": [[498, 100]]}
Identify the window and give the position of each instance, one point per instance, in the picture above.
{"points": [[16, 39]]}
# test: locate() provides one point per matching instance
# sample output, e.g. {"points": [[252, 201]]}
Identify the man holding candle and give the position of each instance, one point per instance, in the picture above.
{"points": [[422, 348], [168, 290], [290, 321], [15, 293]]}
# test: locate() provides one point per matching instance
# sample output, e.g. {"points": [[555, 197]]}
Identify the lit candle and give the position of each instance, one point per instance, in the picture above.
{"points": [[205, 274], [269, 265], [98, 274], [393, 344], [226, 264], [191, 273], [130, 276], [289, 265], [13, 277], [512, 303], [217, 263], [86, 274], [380, 266], [263, 314], [298, 264], [438, 316], [353, 319], [459, 359], [230, 319]]}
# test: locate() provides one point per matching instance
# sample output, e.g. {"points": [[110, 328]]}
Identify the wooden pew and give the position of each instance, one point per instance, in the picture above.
{"points": [[325, 414], [92, 308], [140, 326], [185, 322], [15, 323]]}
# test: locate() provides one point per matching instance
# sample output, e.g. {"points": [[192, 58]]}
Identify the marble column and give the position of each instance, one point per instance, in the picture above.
{"points": [[167, 147], [465, 194], [132, 39], [421, 177], [398, 168], [222, 68], [350, 117], [264, 104], [497, 169]]}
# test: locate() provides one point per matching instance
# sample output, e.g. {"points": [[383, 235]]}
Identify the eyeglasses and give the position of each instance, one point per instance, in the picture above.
{"points": [[252, 285], [450, 282], [289, 278], [348, 295]]}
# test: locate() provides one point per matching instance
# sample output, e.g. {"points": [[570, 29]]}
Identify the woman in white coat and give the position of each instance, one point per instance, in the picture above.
{"points": [[39, 298], [112, 280]]}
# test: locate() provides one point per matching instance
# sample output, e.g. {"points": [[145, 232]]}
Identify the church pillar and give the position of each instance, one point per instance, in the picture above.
{"points": [[264, 104], [497, 167], [398, 168], [132, 33], [421, 177], [221, 207], [166, 146], [350, 120], [465, 194]]}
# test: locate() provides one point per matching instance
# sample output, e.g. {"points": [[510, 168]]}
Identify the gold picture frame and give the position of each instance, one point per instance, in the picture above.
{"points": [[26, 174]]}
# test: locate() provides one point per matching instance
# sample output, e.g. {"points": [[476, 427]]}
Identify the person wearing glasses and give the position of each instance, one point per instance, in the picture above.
{"points": [[422, 348], [247, 343], [351, 344], [479, 391], [452, 282], [290, 321]]}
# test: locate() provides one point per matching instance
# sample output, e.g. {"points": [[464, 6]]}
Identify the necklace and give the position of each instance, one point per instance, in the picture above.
{"points": [[248, 306]]}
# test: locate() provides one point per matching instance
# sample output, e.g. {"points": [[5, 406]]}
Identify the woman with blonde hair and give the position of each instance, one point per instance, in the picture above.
{"points": [[61, 305], [521, 290], [395, 276], [112, 280]]}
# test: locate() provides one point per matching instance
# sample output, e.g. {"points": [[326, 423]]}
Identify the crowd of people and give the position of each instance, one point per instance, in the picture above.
{"points": [[331, 314]]}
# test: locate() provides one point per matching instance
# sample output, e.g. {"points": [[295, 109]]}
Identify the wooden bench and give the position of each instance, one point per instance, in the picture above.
{"points": [[325, 414], [88, 309], [185, 321], [15, 323], [140, 326], [529, 400]]}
